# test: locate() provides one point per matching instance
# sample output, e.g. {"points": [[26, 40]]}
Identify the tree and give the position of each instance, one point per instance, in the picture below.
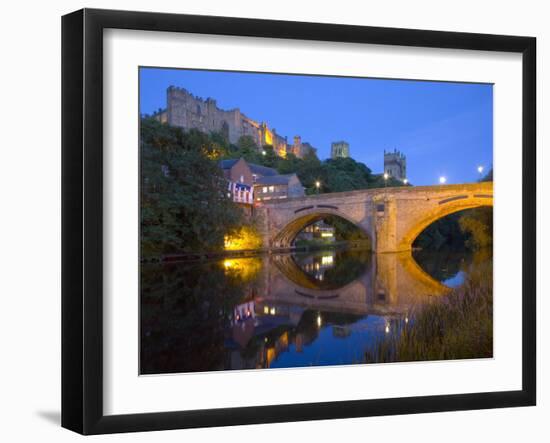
{"points": [[246, 142], [184, 201], [444, 234], [221, 140], [488, 177], [246, 148], [345, 174], [345, 230], [269, 158], [478, 223], [288, 164], [309, 171]]}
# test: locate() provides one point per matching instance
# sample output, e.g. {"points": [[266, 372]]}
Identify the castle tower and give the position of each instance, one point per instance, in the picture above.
{"points": [[339, 150], [395, 164], [297, 146]]}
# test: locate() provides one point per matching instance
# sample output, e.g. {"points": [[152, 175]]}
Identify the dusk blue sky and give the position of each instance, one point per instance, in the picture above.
{"points": [[442, 128]]}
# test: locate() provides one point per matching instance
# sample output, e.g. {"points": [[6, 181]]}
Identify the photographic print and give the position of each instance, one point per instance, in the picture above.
{"points": [[291, 221]]}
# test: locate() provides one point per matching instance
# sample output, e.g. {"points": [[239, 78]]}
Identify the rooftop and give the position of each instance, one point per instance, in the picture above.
{"points": [[256, 169], [275, 179]]}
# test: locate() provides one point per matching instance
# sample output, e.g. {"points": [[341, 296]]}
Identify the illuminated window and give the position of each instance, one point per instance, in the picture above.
{"points": [[242, 178], [271, 188], [264, 189]]}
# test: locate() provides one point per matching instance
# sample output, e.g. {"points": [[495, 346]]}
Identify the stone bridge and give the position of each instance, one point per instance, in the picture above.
{"points": [[391, 284], [391, 217]]}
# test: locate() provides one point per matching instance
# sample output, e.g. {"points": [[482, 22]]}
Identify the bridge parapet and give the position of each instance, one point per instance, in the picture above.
{"points": [[392, 217]]}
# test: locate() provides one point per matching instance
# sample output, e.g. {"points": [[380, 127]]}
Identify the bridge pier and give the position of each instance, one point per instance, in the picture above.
{"points": [[385, 226], [392, 217]]}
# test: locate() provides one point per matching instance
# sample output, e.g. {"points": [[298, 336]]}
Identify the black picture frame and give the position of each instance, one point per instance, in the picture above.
{"points": [[82, 219]]}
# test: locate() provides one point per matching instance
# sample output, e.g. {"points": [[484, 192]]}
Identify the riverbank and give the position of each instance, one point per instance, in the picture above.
{"points": [[206, 256], [457, 326]]}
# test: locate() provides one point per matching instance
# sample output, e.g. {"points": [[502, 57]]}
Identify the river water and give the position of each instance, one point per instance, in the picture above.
{"points": [[326, 307]]}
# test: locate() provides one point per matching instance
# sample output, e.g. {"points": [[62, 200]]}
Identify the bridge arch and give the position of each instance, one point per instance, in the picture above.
{"points": [[416, 225], [286, 235]]}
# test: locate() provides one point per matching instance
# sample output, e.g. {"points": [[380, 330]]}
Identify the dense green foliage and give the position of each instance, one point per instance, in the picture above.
{"points": [[345, 230], [469, 229], [183, 315], [444, 234], [340, 175], [184, 206], [478, 226], [184, 203]]}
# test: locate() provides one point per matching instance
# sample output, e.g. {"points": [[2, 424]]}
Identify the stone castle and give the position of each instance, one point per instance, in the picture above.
{"points": [[395, 164], [187, 111], [339, 150]]}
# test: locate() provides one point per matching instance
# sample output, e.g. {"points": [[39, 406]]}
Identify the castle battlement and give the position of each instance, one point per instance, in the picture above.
{"points": [[395, 164], [185, 110], [339, 149]]}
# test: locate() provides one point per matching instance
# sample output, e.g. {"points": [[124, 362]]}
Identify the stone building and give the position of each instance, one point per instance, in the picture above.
{"points": [[339, 150], [241, 171], [187, 111], [395, 164], [277, 187], [265, 183], [301, 149], [317, 230]]}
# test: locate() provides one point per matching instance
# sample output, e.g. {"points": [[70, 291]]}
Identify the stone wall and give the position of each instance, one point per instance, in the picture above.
{"points": [[391, 217], [395, 164], [240, 173], [339, 150], [185, 110]]}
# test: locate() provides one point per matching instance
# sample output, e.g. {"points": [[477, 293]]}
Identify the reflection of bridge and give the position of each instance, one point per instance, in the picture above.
{"points": [[391, 284], [289, 308], [392, 217]]}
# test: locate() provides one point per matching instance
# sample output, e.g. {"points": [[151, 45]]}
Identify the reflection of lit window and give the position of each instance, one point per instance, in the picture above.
{"points": [[327, 259]]}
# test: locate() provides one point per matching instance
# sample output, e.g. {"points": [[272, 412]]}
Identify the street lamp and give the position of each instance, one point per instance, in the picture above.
{"points": [[317, 185], [405, 181], [442, 180], [480, 171], [386, 176]]}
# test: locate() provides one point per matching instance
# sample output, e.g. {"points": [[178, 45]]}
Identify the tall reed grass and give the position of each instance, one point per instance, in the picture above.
{"points": [[458, 326]]}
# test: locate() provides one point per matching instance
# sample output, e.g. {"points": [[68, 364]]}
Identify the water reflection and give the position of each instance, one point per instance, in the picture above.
{"points": [[283, 310]]}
